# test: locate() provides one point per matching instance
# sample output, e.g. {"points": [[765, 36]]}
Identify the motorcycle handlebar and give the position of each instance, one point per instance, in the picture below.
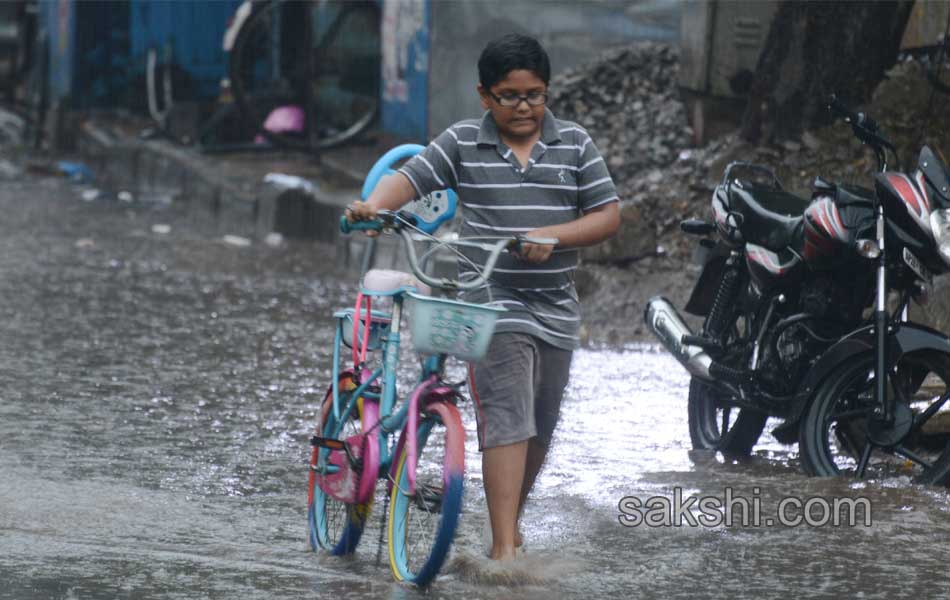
{"points": [[864, 127]]}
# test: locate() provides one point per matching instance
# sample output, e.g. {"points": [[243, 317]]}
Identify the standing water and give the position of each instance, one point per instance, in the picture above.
{"points": [[157, 392]]}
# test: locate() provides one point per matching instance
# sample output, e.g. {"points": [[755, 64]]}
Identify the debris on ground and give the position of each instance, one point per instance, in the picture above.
{"points": [[75, 171], [91, 194], [236, 240], [282, 180], [274, 239], [12, 128], [8, 170]]}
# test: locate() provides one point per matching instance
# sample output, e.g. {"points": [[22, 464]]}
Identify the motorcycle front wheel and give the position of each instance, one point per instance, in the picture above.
{"points": [[839, 435]]}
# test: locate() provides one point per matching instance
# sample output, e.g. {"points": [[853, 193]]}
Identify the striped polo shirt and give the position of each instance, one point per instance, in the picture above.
{"points": [[565, 177]]}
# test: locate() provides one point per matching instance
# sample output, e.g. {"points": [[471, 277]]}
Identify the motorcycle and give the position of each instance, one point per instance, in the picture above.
{"points": [[875, 400], [786, 280]]}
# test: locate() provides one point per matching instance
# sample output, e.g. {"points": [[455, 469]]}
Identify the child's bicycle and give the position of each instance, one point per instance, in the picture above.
{"points": [[351, 448]]}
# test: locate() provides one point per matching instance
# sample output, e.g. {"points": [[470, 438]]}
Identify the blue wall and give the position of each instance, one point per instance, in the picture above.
{"points": [[98, 48], [195, 29]]}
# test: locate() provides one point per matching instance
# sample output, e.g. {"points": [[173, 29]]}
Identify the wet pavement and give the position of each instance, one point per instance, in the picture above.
{"points": [[157, 391]]}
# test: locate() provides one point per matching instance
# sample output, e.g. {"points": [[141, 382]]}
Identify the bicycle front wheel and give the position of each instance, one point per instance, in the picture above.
{"points": [[422, 525], [333, 525]]}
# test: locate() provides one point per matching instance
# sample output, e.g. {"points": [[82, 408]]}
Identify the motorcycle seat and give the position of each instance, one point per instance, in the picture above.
{"points": [[771, 218]]}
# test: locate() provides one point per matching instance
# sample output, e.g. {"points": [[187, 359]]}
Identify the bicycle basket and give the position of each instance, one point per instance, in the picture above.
{"points": [[441, 326], [378, 326]]}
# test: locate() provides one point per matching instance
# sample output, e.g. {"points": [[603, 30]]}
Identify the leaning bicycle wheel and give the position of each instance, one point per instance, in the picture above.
{"points": [[305, 75], [334, 526], [422, 525], [839, 437]]}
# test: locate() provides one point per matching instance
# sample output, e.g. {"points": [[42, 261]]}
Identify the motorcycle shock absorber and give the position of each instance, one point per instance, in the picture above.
{"points": [[725, 295]]}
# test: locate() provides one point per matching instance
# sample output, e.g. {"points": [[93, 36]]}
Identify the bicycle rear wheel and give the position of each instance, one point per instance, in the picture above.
{"points": [[422, 525], [333, 525], [318, 62], [715, 424]]}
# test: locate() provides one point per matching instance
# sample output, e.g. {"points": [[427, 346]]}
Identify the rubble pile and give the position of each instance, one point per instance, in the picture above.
{"points": [[628, 100]]}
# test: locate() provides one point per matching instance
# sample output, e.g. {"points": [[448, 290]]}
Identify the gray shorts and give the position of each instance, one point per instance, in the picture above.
{"points": [[517, 388]]}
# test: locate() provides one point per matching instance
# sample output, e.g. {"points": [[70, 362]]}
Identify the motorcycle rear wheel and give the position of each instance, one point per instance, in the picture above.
{"points": [[715, 424]]}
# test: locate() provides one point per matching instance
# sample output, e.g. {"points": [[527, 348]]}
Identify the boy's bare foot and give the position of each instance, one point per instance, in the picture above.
{"points": [[503, 554]]}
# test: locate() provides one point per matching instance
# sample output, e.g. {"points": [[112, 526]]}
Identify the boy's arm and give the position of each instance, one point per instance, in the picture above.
{"points": [[597, 225]]}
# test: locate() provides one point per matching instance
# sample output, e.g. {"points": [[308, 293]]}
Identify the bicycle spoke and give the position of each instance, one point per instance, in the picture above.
{"points": [[421, 519], [417, 539]]}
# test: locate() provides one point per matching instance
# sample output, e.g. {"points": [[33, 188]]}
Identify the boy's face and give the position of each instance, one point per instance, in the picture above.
{"points": [[521, 122]]}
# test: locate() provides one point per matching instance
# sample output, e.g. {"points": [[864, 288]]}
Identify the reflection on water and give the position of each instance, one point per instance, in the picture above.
{"points": [[157, 396]]}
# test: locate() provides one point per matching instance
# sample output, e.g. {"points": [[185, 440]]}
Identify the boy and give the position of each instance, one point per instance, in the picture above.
{"points": [[516, 170]]}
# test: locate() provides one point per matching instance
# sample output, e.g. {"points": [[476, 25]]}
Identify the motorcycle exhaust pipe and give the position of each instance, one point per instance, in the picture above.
{"points": [[668, 326]]}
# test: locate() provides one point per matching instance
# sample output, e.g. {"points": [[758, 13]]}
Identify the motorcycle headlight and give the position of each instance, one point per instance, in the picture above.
{"points": [[940, 225]]}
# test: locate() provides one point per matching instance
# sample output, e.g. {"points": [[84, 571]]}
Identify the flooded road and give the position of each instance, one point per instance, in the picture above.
{"points": [[157, 393]]}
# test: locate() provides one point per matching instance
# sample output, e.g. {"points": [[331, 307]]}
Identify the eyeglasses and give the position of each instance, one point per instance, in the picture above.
{"points": [[513, 100]]}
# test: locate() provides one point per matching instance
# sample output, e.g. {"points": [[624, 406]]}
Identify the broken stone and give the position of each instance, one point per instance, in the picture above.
{"points": [[236, 240]]}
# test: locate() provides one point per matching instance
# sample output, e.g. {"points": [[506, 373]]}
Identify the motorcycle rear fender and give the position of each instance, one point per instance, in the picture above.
{"points": [[704, 292], [906, 338]]}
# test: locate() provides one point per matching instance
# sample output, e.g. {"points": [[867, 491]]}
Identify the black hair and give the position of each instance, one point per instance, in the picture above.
{"points": [[509, 53]]}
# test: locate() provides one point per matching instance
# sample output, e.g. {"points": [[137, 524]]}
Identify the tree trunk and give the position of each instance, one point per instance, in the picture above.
{"points": [[814, 49]]}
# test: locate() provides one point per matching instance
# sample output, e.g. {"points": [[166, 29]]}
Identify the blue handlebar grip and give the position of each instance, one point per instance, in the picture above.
{"points": [[347, 227]]}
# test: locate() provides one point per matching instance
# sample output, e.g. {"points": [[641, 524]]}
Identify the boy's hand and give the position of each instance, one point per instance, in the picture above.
{"points": [[534, 253], [361, 211]]}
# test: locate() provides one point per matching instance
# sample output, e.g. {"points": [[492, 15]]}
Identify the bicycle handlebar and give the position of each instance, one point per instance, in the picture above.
{"points": [[398, 222]]}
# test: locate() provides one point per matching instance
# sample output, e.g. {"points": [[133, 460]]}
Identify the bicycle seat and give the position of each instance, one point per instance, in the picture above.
{"points": [[386, 282]]}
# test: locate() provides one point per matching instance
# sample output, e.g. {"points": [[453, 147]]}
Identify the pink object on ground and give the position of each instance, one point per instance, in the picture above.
{"points": [[285, 119]]}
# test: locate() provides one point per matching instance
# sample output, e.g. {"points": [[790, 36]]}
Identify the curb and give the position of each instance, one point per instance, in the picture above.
{"points": [[246, 206]]}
